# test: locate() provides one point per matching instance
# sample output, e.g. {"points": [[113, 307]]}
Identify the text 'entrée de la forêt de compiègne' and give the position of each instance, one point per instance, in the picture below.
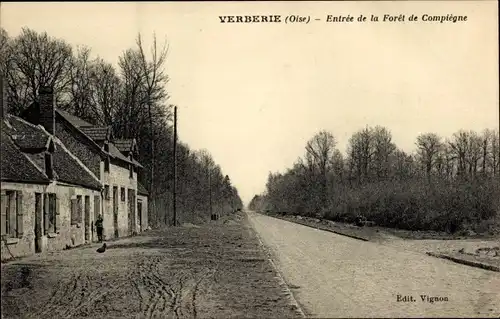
{"points": [[349, 18]]}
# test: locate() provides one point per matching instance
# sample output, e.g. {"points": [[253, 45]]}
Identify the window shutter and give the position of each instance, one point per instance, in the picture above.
{"points": [[57, 205], [4, 213], [45, 213], [19, 215], [74, 218], [12, 214]]}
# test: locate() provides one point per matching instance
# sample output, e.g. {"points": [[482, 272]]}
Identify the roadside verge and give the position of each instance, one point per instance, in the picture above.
{"points": [[466, 262], [279, 276], [318, 225]]}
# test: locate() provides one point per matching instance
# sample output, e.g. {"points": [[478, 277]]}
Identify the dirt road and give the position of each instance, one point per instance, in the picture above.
{"points": [[213, 271], [336, 276]]}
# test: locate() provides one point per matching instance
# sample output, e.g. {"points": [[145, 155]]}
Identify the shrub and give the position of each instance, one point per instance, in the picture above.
{"points": [[418, 205]]}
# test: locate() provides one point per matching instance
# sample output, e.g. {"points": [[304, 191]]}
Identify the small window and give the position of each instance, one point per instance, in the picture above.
{"points": [[49, 170], [131, 171], [106, 164], [122, 194], [106, 192]]}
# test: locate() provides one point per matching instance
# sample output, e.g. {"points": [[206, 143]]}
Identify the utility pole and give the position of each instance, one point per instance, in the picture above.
{"points": [[175, 166], [210, 191]]}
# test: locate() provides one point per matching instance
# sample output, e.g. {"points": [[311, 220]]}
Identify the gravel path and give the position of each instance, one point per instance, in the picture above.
{"points": [[336, 276]]}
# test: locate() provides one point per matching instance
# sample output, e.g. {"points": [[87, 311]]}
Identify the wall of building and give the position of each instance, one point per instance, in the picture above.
{"points": [[26, 245], [118, 176], [67, 235], [72, 235], [143, 201]]}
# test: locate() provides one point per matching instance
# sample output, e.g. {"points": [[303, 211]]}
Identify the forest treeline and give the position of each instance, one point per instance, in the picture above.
{"points": [[132, 98], [447, 184]]}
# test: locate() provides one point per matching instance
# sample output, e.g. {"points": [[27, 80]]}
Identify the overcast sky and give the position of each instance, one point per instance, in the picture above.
{"points": [[253, 94]]}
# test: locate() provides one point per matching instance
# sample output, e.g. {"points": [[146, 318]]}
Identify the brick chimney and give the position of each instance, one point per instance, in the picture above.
{"points": [[47, 109]]}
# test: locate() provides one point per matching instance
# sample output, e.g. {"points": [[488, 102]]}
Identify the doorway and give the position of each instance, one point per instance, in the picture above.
{"points": [[87, 219], [97, 212], [139, 213], [115, 210], [38, 222]]}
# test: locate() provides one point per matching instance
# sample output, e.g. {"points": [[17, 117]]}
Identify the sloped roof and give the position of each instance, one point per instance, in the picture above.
{"points": [[28, 137], [97, 133], [67, 167], [124, 145], [93, 133], [141, 190], [76, 121], [15, 166], [127, 145], [137, 163], [28, 142], [115, 153]]}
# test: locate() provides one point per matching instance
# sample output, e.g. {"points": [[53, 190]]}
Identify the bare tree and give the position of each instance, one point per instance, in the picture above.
{"points": [[319, 154], [474, 154], [134, 91], [155, 78], [320, 150], [495, 153], [429, 145], [80, 90], [37, 60], [383, 147], [106, 99], [460, 147], [402, 165], [360, 154], [338, 165]]}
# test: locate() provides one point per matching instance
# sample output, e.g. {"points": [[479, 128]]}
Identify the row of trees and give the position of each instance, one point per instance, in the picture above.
{"points": [[131, 98], [445, 184]]}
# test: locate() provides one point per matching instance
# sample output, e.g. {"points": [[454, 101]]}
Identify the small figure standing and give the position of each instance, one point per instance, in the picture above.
{"points": [[99, 227]]}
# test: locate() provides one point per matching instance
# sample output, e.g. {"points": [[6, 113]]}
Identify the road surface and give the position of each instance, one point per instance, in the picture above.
{"points": [[336, 276], [216, 270]]}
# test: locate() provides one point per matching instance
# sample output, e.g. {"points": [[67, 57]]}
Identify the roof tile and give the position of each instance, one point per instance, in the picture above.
{"points": [[123, 145], [17, 166], [97, 133], [74, 120]]}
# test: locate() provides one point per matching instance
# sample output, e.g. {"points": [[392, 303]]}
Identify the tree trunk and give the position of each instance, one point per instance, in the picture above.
{"points": [[151, 182]]}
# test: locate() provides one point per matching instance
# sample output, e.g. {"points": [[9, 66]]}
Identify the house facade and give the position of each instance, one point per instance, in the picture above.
{"points": [[58, 173], [46, 192], [95, 147]]}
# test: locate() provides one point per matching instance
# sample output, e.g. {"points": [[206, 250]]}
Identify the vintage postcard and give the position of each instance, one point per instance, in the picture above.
{"points": [[250, 159]]}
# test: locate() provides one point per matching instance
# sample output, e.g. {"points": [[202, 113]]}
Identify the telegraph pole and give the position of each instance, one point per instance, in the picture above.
{"points": [[210, 191], [175, 166]]}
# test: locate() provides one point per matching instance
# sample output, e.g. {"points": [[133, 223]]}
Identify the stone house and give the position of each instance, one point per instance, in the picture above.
{"points": [[95, 147], [128, 147], [47, 193]]}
